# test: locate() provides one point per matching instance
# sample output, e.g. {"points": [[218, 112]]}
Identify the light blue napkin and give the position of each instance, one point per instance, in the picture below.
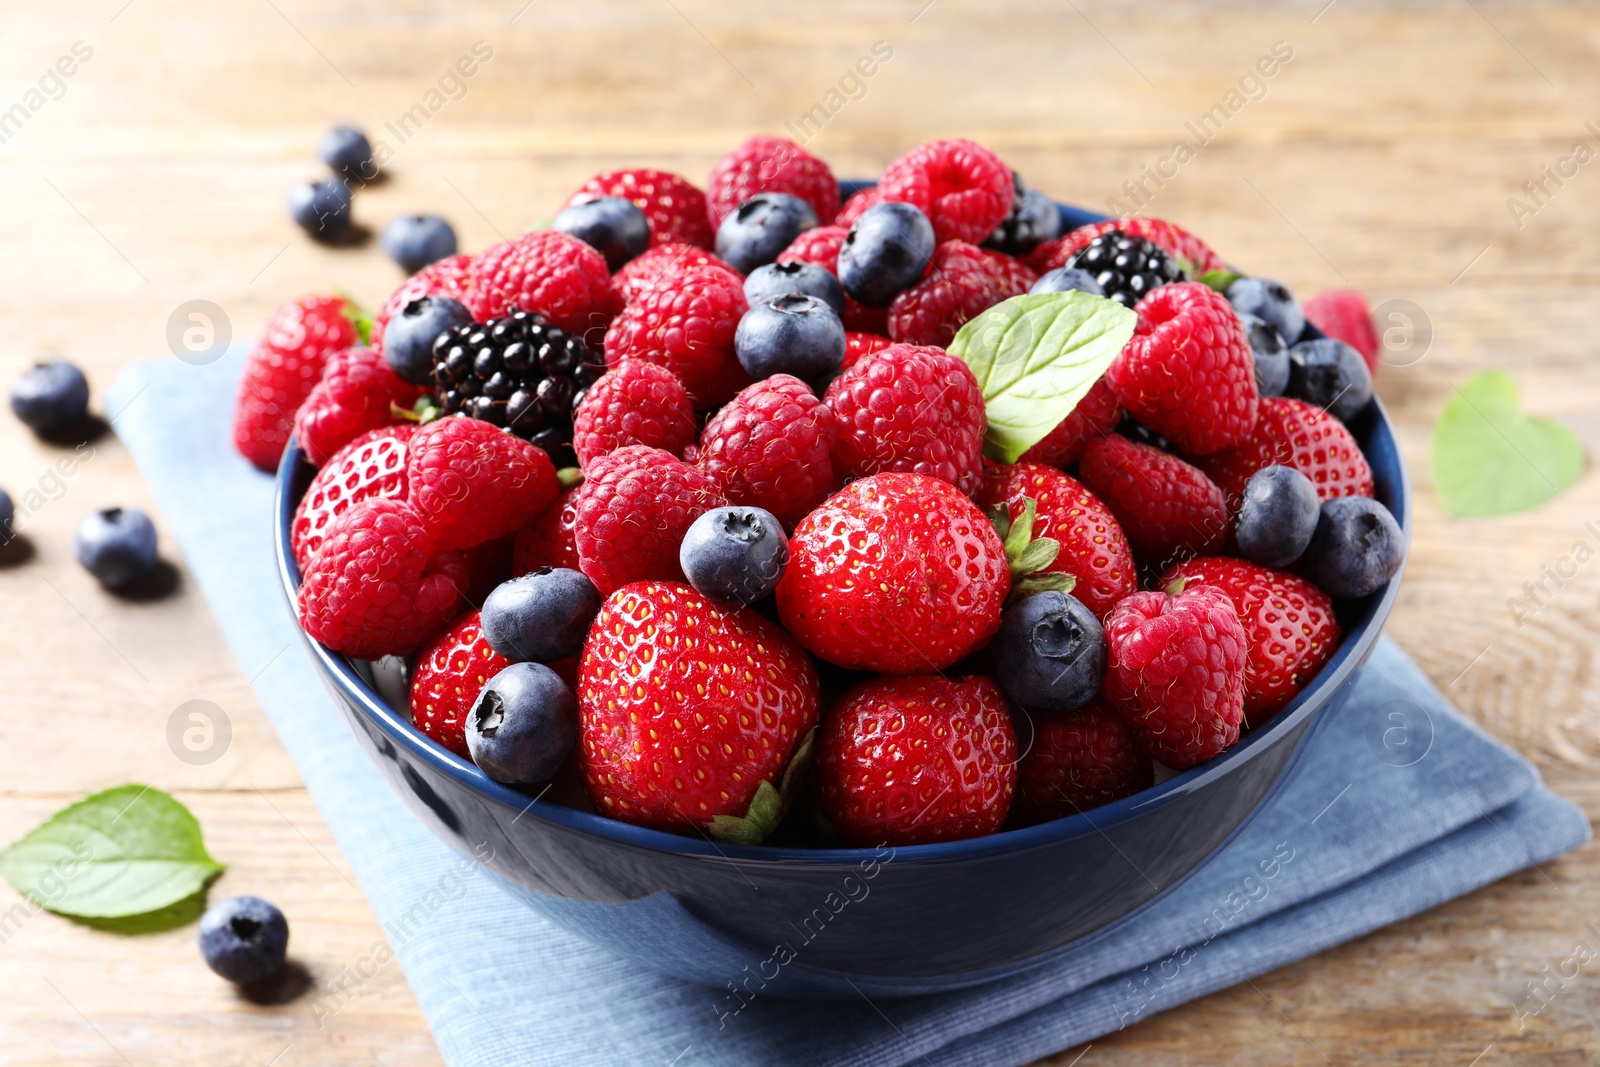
{"points": [[1396, 804]]}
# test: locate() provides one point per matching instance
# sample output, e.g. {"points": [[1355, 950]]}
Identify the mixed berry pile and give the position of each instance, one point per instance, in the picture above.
{"points": [[688, 499]]}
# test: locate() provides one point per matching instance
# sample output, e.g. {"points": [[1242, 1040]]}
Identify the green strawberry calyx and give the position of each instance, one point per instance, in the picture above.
{"points": [[1026, 555], [358, 316], [769, 805]]}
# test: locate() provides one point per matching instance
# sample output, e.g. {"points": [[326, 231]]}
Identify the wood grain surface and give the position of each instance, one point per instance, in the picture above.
{"points": [[1381, 155]]}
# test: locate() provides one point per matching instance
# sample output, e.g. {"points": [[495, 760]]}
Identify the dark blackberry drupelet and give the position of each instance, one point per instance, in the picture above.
{"points": [[1034, 219], [519, 372], [1126, 267]]}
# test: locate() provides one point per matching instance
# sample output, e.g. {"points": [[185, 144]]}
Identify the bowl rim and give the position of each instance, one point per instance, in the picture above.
{"points": [[357, 692]]}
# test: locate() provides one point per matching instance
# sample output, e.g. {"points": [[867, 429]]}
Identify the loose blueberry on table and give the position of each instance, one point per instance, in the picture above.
{"points": [[244, 939]]}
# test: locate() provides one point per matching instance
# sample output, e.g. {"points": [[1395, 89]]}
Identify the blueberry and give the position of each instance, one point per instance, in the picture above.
{"points": [[735, 554], [322, 209], [8, 516], [117, 546], [523, 726], [1271, 301], [793, 334], [1330, 374], [409, 337], [1276, 517], [780, 279], [762, 227], [1357, 547], [244, 939], [611, 225], [1034, 219], [886, 251], [543, 616], [414, 241], [50, 396], [1050, 653], [348, 153], [1271, 354], [1068, 280]]}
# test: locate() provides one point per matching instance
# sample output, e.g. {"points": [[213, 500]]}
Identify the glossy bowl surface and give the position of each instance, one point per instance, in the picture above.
{"points": [[839, 922]]}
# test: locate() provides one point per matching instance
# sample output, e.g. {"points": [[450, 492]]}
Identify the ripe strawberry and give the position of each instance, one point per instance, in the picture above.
{"points": [[896, 573], [1289, 626], [281, 371], [380, 587], [675, 209], [857, 205], [1169, 508], [820, 246], [474, 482], [1096, 415], [449, 277], [1175, 669], [551, 273], [647, 270], [1343, 313], [962, 283], [548, 541], [1079, 760], [857, 346], [1299, 435], [908, 761], [964, 189], [637, 403], [356, 394], [766, 164], [1094, 549], [691, 713], [909, 408], [372, 465], [1192, 254], [450, 674], [686, 323], [636, 505], [769, 448], [1187, 372]]}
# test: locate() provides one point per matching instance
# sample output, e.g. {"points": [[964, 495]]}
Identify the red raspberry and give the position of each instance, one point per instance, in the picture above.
{"points": [[1078, 760], [963, 282], [356, 394], [1175, 669], [1191, 253], [1343, 313], [909, 409], [963, 188], [450, 674], [907, 761], [820, 246], [769, 448], [664, 261], [1094, 549], [281, 371], [1187, 372], [633, 513], [476, 482], [1096, 415], [547, 541], [857, 205], [766, 164], [675, 209], [379, 586], [551, 273], [858, 346], [1169, 508], [686, 324], [372, 465], [1289, 627], [1299, 435], [638, 403], [488, 564], [449, 277]]}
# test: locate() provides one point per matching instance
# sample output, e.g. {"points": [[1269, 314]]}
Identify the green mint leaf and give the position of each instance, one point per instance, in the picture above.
{"points": [[1035, 356], [1491, 459], [1219, 279], [123, 853]]}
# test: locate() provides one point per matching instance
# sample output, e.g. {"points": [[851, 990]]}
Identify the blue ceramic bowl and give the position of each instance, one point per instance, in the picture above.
{"points": [[840, 922]]}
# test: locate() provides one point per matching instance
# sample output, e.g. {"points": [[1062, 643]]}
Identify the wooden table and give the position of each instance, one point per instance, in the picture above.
{"points": [[1381, 155]]}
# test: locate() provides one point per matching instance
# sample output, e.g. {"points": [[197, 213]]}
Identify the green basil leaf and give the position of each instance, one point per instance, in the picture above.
{"points": [[1035, 356], [1491, 459], [128, 851]]}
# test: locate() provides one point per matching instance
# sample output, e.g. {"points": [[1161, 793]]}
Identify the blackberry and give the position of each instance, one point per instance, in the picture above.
{"points": [[519, 372], [1127, 268], [1034, 219]]}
